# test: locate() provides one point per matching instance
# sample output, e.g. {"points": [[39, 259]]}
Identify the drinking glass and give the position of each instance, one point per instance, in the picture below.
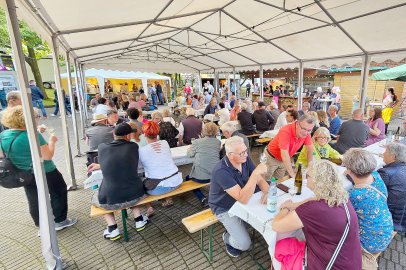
{"points": [[292, 191]]}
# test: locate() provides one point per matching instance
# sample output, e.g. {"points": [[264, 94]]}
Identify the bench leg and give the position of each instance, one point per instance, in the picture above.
{"points": [[209, 252], [124, 218], [252, 253]]}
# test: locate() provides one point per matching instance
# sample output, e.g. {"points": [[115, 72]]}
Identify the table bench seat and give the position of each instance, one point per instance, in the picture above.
{"points": [[183, 188], [200, 222]]}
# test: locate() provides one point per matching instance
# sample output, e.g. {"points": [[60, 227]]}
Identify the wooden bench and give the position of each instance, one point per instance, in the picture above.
{"points": [[264, 140], [200, 222], [251, 138], [183, 188]]}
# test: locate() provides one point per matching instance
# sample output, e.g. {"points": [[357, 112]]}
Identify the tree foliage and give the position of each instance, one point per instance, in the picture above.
{"points": [[28, 37], [33, 46]]}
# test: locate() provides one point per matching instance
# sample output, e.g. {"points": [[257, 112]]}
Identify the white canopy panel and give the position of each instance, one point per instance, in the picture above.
{"points": [[193, 35]]}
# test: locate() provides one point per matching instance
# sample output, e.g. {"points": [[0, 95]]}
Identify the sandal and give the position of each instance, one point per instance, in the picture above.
{"points": [[167, 203], [150, 212]]}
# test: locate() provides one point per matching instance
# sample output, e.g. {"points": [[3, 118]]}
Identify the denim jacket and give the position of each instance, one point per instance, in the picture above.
{"points": [[394, 176]]}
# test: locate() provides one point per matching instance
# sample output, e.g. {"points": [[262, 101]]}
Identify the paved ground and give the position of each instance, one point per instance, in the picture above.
{"points": [[165, 244]]}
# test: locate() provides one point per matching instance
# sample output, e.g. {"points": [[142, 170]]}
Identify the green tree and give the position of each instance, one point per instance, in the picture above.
{"points": [[34, 47]]}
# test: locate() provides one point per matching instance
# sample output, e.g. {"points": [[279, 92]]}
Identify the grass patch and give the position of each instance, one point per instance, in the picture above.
{"points": [[49, 102]]}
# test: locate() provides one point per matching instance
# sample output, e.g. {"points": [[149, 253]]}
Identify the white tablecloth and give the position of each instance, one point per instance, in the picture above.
{"points": [[199, 112], [179, 156], [256, 214], [269, 134]]}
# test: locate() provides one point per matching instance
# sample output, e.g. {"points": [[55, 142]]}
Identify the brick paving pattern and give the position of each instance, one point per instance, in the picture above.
{"points": [[164, 244]]}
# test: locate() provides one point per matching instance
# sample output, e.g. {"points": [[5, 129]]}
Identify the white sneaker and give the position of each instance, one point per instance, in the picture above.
{"points": [[53, 115], [114, 235], [69, 115], [140, 225], [66, 223]]}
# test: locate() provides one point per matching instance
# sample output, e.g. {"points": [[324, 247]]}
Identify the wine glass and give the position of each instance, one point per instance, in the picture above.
{"points": [[292, 191], [262, 158]]}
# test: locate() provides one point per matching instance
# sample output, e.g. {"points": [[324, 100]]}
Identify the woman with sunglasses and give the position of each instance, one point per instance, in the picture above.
{"points": [[321, 148]]}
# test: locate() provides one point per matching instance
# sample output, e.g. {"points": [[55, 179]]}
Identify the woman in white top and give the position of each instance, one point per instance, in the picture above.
{"points": [[162, 175], [223, 114]]}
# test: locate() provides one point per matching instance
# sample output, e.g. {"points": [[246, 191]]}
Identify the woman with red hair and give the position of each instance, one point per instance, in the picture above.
{"points": [[162, 175]]}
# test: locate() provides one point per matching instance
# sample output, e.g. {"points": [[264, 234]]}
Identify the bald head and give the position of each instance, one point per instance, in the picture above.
{"points": [[357, 114]]}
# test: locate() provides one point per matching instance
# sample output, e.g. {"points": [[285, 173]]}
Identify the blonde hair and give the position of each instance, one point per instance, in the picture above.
{"points": [[316, 118], [322, 116], [321, 130], [328, 184], [166, 113], [210, 130], [157, 115], [13, 117]]}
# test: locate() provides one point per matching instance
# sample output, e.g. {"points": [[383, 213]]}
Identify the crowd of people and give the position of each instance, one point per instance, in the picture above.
{"points": [[372, 209]]}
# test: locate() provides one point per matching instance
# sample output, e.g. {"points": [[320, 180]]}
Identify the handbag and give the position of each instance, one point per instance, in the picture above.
{"points": [[339, 246], [10, 175]]}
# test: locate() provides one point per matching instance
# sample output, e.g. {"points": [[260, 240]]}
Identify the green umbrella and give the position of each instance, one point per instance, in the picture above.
{"points": [[396, 74]]}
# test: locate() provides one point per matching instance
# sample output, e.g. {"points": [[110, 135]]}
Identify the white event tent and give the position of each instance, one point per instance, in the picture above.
{"points": [[102, 74], [200, 36]]}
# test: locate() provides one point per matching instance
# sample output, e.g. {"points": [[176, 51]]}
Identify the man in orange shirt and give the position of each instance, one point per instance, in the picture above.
{"points": [[286, 143]]}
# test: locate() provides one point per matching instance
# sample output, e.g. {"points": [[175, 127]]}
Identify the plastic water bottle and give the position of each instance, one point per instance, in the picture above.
{"points": [[389, 137], [272, 203]]}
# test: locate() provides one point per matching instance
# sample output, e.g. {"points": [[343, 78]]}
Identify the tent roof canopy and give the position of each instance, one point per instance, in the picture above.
{"points": [[192, 35], [116, 74], [397, 74]]}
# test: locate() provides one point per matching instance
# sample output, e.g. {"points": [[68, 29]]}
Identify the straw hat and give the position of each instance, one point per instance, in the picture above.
{"points": [[98, 118]]}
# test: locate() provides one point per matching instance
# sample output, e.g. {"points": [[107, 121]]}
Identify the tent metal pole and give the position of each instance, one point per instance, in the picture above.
{"points": [[80, 99], [84, 92], [200, 83], [261, 82], [61, 100], [83, 96], [72, 104], [300, 86], [235, 85], [49, 242], [366, 60]]}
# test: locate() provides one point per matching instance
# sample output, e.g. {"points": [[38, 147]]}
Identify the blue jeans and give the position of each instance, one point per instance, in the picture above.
{"points": [[68, 111], [198, 193], [161, 99], [161, 190], [3, 99], [38, 103], [153, 97]]}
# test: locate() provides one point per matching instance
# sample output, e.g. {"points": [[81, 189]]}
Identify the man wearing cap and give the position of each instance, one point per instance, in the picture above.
{"points": [[262, 119], [100, 132], [121, 186]]}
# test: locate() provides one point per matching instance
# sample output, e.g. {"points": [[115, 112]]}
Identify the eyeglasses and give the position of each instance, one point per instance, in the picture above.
{"points": [[322, 138], [242, 154], [307, 130]]}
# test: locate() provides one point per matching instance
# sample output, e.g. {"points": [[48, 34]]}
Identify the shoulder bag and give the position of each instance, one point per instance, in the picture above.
{"points": [[10, 175]]}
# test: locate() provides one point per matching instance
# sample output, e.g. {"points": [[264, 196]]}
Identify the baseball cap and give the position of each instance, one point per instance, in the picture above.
{"points": [[261, 104], [123, 129]]}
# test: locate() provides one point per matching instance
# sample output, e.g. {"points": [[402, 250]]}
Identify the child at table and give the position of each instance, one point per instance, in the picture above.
{"points": [[321, 147]]}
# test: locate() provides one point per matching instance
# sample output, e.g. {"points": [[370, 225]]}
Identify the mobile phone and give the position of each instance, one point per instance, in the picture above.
{"points": [[283, 187]]}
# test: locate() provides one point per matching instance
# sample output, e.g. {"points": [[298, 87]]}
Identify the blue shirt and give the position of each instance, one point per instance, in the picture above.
{"points": [[225, 176], [335, 125], [374, 219], [36, 93]]}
